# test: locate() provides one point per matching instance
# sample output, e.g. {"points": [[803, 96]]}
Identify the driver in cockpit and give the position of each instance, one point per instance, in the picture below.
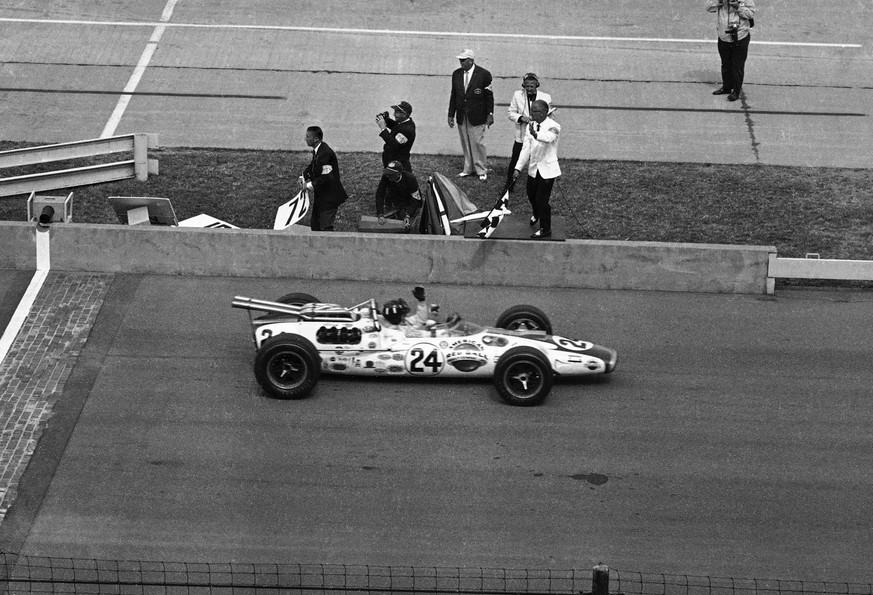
{"points": [[395, 313]]}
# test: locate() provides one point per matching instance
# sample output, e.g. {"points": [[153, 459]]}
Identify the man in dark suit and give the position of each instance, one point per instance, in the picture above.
{"points": [[322, 177], [398, 134], [472, 103]]}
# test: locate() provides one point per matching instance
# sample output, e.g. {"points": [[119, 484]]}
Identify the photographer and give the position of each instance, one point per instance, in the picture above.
{"points": [[398, 134], [735, 18]]}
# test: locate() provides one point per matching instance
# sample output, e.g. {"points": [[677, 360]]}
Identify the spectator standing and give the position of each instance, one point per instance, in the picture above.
{"points": [[322, 177], [539, 153], [398, 192], [519, 113], [735, 19], [472, 104], [398, 134]]}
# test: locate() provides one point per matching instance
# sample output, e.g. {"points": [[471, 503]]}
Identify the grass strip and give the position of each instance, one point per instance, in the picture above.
{"points": [[799, 210]]}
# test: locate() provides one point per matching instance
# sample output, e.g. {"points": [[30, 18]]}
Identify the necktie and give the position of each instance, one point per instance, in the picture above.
{"points": [[466, 79]]}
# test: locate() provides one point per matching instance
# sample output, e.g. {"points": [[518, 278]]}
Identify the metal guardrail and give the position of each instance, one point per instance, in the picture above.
{"points": [[139, 167], [814, 267]]}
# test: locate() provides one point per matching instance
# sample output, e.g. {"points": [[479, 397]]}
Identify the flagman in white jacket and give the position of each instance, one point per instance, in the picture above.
{"points": [[539, 153]]}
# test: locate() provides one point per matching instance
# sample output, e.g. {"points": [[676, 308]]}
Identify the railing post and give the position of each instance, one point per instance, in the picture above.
{"points": [[141, 157], [600, 580]]}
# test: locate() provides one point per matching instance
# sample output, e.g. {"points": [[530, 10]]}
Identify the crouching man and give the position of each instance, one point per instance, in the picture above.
{"points": [[397, 196]]}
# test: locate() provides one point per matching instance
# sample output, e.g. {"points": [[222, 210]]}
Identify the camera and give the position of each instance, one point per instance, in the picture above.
{"points": [[383, 114], [733, 31]]}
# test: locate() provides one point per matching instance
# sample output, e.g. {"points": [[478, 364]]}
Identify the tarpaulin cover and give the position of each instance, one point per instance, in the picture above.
{"points": [[443, 201]]}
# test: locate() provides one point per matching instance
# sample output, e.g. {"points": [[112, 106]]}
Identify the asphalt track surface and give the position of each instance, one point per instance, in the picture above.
{"points": [[632, 79], [733, 439]]}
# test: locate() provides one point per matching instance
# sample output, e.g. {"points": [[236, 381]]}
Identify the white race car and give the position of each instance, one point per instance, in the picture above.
{"points": [[298, 338]]}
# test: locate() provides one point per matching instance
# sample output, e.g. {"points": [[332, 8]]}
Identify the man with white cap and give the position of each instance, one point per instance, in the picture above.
{"points": [[472, 104]]}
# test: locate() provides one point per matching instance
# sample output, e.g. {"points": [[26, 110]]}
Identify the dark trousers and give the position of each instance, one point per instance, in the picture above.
{"points": [[513, 159], [539, 192], [322, 220], [733, 62]]}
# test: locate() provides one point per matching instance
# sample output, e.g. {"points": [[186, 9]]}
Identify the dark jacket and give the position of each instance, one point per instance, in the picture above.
{"points": [[323, 172], [398, 138], [402, 196], [477, 102]]}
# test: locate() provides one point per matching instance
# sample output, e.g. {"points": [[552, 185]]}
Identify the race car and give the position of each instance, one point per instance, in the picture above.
{"points": [[298, 337]]}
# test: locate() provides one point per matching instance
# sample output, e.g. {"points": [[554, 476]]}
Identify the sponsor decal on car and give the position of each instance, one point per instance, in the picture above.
{"points": [[466, 361]]}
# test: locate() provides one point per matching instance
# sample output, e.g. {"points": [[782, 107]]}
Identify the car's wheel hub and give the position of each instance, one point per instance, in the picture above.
{"points": [[287, 370], [524, 380]]}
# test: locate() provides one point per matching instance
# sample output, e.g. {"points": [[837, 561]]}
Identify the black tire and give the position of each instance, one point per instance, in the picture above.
{"points": [[298, 299], [523, 376], [287, 366], [525, 318]]}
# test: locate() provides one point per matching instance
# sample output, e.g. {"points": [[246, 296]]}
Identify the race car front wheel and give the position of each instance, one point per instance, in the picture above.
{"points": [[287, 366], [523, 376], [524, 318]]}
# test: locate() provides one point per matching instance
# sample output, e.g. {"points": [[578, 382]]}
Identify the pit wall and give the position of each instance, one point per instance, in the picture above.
{"points": [[596, 264]]}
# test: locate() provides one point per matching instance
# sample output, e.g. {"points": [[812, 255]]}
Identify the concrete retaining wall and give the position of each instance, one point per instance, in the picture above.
{"points": [[17, 245], [416, 259]]}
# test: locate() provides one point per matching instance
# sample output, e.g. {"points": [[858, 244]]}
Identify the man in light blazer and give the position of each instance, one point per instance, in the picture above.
{"points": [[472, 104], [519, 114], [539, 153]]}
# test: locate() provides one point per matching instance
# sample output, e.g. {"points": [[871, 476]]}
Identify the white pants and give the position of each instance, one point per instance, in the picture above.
{"points": [[473, 145]]}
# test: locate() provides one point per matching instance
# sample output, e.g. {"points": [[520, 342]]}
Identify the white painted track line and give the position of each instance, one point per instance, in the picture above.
{"points": [[43, 266], [130, 88], [164, 25]]}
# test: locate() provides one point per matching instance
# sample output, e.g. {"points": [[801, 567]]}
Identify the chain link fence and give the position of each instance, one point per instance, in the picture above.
{"points": [[638, 583], [33, 574]]}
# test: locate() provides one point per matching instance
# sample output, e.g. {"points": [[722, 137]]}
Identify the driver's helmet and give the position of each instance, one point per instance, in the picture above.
{"points": [[394, 311]]}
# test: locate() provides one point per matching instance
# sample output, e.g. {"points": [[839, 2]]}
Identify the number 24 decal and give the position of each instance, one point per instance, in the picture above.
{"points": [[424, 359]]}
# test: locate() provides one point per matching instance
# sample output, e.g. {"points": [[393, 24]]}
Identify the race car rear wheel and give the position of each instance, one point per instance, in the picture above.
{"points": [[287, 366], [297, 299], [525, 318], [523, 376]]}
